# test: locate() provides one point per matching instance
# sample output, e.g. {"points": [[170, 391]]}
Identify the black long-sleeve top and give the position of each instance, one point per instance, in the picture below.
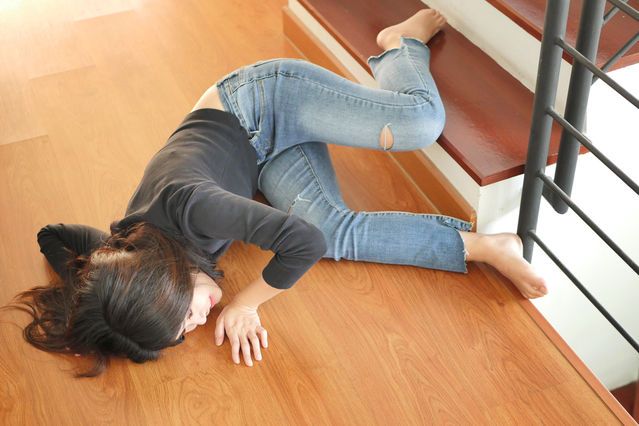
{"points": [[200, 186]]}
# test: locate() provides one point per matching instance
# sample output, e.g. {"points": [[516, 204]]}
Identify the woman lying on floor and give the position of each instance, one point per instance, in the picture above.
{"points": [[140, 288]]}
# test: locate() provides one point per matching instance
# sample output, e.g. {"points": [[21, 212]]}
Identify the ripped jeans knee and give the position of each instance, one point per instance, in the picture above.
{"points": [[386, 138]]}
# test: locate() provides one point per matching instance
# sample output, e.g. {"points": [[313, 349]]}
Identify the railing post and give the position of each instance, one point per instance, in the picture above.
{"points": [[578, 92], [545, 94]]}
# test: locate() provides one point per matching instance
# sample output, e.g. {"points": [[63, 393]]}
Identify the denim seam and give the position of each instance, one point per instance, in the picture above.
{"points": [[427, 102], [317, 181], [235, 105], [410, 57], [458, 223], [260, 89]]}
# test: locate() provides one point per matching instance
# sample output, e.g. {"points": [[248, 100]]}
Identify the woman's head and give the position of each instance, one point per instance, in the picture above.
{"points": [[130, 297]]}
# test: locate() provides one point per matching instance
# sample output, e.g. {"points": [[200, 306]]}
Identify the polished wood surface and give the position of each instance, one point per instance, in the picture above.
{"points": [[488, 112], [90, 91], [529, 14]]}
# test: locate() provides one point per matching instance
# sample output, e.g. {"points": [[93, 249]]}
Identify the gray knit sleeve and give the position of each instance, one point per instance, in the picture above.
{"points": [[216, 213]]}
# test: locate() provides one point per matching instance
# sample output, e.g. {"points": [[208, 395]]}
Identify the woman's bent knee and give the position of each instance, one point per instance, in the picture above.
{"points": [[428, 127], [417, 136]]}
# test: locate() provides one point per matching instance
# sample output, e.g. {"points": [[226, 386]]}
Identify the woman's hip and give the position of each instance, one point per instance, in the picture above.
{"points": [[283, 102]]}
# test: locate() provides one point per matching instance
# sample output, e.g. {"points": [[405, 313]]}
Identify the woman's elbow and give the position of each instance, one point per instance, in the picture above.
{"points": [[318, 239]]}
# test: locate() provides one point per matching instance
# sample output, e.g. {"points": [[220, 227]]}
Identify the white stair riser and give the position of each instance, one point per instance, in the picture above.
{"points": [[503, 40]]}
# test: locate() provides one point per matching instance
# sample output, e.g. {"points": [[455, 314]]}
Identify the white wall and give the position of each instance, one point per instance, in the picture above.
{"points": [[499, 37]]}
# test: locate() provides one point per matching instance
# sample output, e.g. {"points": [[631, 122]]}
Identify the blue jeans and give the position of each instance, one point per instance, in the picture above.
{"points": [[292, 108]]}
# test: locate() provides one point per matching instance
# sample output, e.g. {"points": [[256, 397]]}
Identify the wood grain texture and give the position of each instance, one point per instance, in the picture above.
{"points": [[529, 15], [351, 343]]}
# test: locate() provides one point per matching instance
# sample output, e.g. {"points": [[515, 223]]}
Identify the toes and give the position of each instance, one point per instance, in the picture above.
{"points": [[533, 292], [537, 292]]}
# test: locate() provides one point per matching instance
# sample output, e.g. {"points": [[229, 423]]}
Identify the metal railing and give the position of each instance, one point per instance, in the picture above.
{"points": [[536, 182]]}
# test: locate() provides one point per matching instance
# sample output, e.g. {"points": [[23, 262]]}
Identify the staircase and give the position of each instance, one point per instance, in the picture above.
{"points": [[529, 15], [475, 170]]}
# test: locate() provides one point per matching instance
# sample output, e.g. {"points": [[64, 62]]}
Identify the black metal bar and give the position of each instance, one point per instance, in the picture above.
{"points": [[545, 93], [626, 47], [577, 98], [592, 67], [612, 12], [628, 10], [588, 144], [585, 292], [590, 222]]}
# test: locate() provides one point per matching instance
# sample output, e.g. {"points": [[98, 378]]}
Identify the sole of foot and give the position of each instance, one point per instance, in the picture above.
{"points": [[423, 25]]}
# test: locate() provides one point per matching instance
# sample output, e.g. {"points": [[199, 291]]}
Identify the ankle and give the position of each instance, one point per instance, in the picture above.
{"points": [[389, 40], [476, 246]]}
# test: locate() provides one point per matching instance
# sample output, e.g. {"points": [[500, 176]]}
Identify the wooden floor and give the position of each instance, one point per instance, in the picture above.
{"points": [[89, 91]]}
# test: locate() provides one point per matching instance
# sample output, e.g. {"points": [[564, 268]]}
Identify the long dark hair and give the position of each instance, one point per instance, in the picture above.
{"points": [[127, 298]]}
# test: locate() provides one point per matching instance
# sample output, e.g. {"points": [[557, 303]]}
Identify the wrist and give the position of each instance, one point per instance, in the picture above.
{"points": [[256, 293]]}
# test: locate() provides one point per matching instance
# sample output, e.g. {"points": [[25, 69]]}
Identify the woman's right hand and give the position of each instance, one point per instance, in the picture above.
{"points": [[244, 329]]}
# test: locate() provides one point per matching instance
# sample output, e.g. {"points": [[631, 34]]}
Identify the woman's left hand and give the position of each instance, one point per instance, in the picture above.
{"points": [[242, 325]]}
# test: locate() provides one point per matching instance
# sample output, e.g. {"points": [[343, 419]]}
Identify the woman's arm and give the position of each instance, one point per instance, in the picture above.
{"points": [[256, 293], [59, 243], [217, 213], [297, 245]]}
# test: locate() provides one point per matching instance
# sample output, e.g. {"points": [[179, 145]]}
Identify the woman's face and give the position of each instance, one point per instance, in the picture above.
{"points": [[206, 294]]}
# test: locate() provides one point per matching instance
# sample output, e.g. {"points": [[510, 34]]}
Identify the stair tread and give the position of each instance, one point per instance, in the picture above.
{"points": [[488, 112], [529, 14]]}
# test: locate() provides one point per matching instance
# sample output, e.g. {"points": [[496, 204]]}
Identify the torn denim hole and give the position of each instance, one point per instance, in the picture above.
{"points": [[386, 138]]}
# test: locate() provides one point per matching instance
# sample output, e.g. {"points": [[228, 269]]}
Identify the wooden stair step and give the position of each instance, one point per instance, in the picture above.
{"points": [[488, 111], [529, 15]]}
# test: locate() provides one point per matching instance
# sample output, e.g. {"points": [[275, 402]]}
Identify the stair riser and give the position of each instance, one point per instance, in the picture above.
{"points": [[514, 49]]}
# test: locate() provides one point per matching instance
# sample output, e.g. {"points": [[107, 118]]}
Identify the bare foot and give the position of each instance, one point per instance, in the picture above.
{"points": [[504, 252], [423, 25]]}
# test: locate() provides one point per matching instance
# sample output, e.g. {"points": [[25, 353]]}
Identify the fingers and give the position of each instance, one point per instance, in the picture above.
{"points": [[246, 351], [242, 342], [247, 343], [255, 342], [244, 331], [263, 336], [235, 349]]}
